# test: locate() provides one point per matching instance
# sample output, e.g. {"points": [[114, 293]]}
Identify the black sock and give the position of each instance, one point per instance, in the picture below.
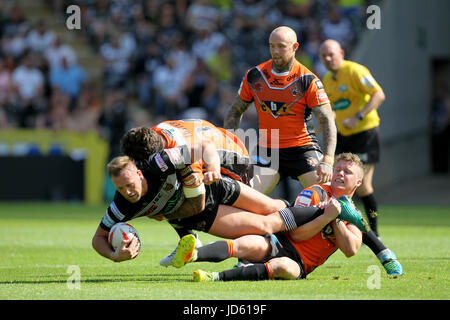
{"points": [[297, 216], [371, 240], [214, 252], [182, 232], [254, 272], [371, 209]]}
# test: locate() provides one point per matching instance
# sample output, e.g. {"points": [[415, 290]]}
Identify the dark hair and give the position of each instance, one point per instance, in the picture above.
{"points": [[139, 143]]}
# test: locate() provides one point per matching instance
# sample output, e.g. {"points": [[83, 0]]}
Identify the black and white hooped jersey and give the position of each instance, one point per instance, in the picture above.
{"points": [[165, 193]]}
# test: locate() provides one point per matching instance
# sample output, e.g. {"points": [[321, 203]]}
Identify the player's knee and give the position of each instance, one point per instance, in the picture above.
{"points": [[268, 225], [285, 268]]}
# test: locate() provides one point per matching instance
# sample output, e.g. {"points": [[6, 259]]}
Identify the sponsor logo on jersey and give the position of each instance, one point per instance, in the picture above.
{"points": [[322, 97], [368, 81], [275, 108], [292, 76], [175, 156], [258, 86], [107, 221], [319, 84], [302, 201], [295, 91], [160, 162], [276, 82], [341, 104], [342, 88]]}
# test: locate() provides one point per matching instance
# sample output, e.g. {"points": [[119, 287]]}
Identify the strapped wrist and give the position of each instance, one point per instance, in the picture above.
{"points": [[328, 160], [359, 116]]}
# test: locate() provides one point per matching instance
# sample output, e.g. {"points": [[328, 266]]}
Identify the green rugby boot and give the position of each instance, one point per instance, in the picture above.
{"points": [[350, 214], [204, 276], [186, 251]]}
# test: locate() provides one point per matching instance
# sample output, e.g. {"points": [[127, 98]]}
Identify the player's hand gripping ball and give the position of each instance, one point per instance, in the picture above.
{"points": [[122, 231]]}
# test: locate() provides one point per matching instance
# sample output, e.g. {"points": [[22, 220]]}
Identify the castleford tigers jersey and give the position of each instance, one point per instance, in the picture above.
{"points": [[316, 250], [284, 102], [233, 154], [349, 91]]}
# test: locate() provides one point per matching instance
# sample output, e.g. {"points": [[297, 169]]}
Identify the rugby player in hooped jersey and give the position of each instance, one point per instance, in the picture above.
{"points": [[141, 142], [229, 208]]}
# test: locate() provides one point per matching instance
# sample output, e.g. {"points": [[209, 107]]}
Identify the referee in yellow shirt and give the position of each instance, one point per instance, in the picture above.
{"points": [[355, 97]]}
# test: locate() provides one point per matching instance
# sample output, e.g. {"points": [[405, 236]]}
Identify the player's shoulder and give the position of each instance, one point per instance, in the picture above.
{"points": [[302, 69], [355, 67], [313, 195]]}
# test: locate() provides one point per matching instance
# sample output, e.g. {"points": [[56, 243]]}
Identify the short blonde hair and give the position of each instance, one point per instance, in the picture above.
{"points": [[351, 157], [117, 165]]}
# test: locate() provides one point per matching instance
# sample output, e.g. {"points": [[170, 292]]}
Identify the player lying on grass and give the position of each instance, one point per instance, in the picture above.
{"points": [[230, 209], [293, 254]]}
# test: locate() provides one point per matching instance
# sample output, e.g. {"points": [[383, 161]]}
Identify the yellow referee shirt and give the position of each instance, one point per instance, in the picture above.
{"points": [[349, 90]]}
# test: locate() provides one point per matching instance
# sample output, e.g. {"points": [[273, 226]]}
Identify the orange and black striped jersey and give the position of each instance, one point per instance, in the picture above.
{"points": [[284, 102], [316, 250], [233, 154]]}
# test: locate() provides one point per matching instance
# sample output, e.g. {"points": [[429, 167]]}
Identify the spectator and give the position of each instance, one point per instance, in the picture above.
{"points": [[57, 52], [6, 84], [15, 44], [68, 78], [337, 27], [116, 63], [202, 15], [41, 38], [28, 84], [168, 83], [207, 43]]}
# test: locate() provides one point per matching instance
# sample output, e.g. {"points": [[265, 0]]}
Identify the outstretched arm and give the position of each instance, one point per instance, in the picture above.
{"points": [[234, 116]]}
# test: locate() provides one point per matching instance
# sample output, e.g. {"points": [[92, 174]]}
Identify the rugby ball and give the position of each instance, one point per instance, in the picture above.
{"points": [[122, 231]]}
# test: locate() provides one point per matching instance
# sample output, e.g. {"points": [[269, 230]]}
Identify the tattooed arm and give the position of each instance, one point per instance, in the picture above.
{"points": [[190, 207], [327, 126], [234, 116]]}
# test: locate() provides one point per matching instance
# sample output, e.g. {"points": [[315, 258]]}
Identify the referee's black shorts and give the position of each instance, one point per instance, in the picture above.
{"points": [[365, 144]]}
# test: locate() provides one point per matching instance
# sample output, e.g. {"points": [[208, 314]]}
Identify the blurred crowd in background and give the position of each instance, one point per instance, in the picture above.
{"points": [[174, 59]]}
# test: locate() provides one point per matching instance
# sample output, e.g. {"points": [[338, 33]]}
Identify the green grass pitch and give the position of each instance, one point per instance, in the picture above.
{"points": [[40, 243]]}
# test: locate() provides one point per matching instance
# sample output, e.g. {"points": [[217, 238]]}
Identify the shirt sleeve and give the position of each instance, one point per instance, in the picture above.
{"points": [[245, 92], [365, 81], [166, 161], [316, 95], [113, 214], [310, 196]]}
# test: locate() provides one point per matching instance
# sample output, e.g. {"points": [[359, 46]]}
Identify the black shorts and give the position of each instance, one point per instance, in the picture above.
{"points": [[282, 247], [365, 144], [225, 191], [294, 161]]}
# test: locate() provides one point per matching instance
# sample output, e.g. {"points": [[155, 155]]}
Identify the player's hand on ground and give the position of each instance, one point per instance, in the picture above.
{"points": [[128, 250], [211, 176], [332, 209], [324, 172]]}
